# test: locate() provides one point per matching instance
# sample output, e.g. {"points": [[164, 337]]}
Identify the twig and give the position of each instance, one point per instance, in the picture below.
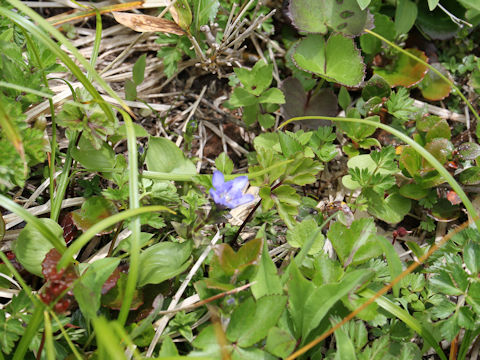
{"points": [[190, 115], [162, 323]]}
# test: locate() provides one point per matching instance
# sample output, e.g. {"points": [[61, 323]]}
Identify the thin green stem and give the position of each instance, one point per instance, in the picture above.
{"points": [[436, 71], [49, 347], [96, 44], [63, 181], [134, 203], [77, 245], [424, 153], [25, 89]]}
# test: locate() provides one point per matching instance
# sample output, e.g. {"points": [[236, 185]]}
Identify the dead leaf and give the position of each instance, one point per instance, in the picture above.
{"points": [[146, 23]]}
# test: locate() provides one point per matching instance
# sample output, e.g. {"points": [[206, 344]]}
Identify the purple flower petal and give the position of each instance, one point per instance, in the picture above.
{"points": [[239, 183], [218, 180]]}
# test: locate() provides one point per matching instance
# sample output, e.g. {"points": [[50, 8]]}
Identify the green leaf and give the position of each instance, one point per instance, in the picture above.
{"points": [[309, 304], [413, 191], [163, 261], [440, 130], [182, 14], [344, 98], [31, 246], [345, 348], [357, 131], [88, 288], [289, 144], [267, 282], [393, 260], [102, 159], [164, 156], [443, 283], [433, 87], [204, 11], [470, 4], [257, 80], [138, 72], [10, 331], [440, 148], [411, 160], [336, 60], [469, 150], [405, 15], [280, 342], [224, 164], [404, 71], [357, 244], [470, 176], [229, 263], [272, 96], [363, 3], [130, 90], [302, 232], [251, 321], [168, 348], [266, 120], [242, 97], [344, 16], [376, 86], [470, 256], [92, 211], [432, 4], [391, 209], [384, 27]]}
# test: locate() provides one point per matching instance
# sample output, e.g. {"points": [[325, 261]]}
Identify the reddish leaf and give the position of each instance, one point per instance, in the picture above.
{"points": [[404, 71], [69, 228], [114, 298], [58, 281], [93, 210], [111, 281]]}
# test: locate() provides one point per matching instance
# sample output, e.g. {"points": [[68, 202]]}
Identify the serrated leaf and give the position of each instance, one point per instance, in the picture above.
{"points": [[342, 16], [10, 331], [302, 232], [241, 97], [336, 59], [280, 342], [357, 244], [272, 96]]}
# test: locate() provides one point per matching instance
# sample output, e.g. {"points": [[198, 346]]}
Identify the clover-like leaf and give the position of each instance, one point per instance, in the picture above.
{"points": [[344, 16], [336, 59]]}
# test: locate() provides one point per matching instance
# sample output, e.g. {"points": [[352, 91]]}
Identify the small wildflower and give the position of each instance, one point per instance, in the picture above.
{"points": [[229, 194]]}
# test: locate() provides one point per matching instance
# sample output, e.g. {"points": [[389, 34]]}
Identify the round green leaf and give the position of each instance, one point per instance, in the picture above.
{"points": [[471, 176], [433, 87], [31, 246]]}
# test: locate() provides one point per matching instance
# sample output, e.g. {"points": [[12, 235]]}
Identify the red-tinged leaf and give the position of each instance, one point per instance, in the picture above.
{"points": [[433, 87], [69, 228], [113, 299], [146, 23], [453, 198], [58, 281], [111, 281], [93, 210], [404, 71]]}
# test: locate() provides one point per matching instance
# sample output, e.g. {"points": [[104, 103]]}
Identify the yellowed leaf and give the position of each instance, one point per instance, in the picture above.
{"points": [[147, 23]]}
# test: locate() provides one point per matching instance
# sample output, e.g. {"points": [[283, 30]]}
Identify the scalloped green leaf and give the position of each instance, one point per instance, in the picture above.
{"points": [[343, 16], [404, 71], [336, 59]]}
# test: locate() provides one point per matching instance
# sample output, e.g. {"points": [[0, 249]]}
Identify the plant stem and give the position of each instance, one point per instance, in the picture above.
{"points": [[134, 204]]}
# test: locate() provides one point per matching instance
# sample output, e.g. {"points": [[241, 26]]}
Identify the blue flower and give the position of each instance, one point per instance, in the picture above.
{"points": [[229, 194]]}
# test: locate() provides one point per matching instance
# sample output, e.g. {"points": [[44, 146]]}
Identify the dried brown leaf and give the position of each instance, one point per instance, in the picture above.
{"points": [[146, 23]]}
